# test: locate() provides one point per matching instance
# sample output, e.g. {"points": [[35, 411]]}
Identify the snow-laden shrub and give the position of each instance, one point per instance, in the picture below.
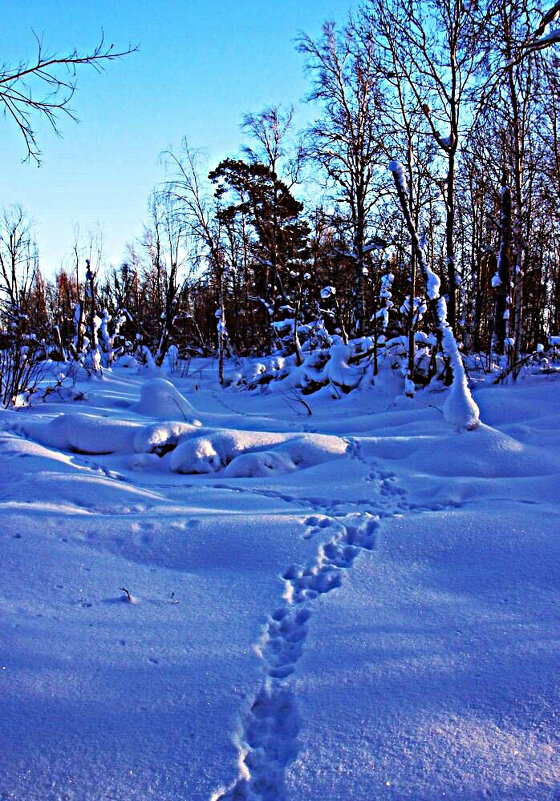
{"points": [[342, 368], [21, 372]]}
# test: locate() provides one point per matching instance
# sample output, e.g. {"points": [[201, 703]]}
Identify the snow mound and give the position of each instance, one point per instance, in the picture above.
{"points": [[144, 461], [161, 399], [243, 454], [260, 464], [523, 402], [212, 451], [296, 454], [160, 438], [84, 433], [487, 454]]}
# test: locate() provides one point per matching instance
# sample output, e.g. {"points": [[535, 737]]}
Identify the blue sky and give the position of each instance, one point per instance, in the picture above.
{"points": [[200, 67]]}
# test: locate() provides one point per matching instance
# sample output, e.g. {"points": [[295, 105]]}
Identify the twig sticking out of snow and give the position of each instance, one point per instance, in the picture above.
{"points": [[294, 398], [128, 598]]}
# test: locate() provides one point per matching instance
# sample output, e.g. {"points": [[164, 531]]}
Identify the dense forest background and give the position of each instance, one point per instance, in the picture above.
{"points": [[431, 174]]}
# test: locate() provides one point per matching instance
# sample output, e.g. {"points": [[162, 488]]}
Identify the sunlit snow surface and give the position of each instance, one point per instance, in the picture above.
{"points": [[357, 604]]}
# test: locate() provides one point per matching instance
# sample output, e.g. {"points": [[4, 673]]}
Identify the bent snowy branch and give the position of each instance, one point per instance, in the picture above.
{"points": [[459, 409]]}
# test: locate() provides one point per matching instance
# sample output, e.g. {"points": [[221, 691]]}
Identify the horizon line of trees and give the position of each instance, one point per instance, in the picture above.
{"points": [[309, 234]]}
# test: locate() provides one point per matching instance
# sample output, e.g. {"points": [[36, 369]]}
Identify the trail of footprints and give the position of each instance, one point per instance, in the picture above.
{"points": [[388, 487], [268, 736], [323, 506], [269, 729]]}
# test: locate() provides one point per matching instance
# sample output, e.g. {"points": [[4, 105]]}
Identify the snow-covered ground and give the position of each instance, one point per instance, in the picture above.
{"points": [[357, 604]]}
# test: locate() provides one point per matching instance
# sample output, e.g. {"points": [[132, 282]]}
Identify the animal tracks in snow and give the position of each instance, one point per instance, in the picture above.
{"points": [[267, 739], [95, 467], [322, 505]]}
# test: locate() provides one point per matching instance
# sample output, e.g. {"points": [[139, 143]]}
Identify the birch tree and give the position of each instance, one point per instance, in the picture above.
{"points": [[436, 46], [344, 141]]}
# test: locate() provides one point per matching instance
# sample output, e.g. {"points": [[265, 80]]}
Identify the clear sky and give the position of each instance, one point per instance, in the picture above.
{"points": [[200, 67]]}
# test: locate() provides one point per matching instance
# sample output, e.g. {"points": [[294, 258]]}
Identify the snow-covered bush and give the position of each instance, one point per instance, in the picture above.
{"points": [[21, 371]]}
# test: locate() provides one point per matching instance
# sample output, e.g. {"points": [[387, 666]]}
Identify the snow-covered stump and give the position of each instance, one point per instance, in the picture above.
{"points": [[146, 353], [459, 409]]}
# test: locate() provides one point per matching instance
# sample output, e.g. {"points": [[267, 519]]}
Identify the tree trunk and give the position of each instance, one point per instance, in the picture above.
{"points": [[502, 271]]}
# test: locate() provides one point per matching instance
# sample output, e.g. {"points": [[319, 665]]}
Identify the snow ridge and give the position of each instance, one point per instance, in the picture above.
{"points": [[268, 737]]}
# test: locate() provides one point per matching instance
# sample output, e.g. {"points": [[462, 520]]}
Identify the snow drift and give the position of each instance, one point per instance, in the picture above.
{"points": [[162, 400], [184, 447]]}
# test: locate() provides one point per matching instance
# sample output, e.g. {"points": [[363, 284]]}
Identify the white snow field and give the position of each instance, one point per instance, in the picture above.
{"points": [[358, 604]]}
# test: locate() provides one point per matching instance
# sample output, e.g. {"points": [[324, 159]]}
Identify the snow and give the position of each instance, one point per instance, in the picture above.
{"points": [[409, 387], [252, 454], [159, 437], [159, 398], [83, 433], [127, 360], [358, 603], [398, 170], [460, 409], [552, 37], [434, 284]]}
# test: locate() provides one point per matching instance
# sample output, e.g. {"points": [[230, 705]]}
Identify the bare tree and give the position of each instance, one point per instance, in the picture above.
{"points": [[196, 212], [270, 129], [436, 50], [165, 243], [345, 141], [540, 40], [459, 408], [18, 264], [515, 96]]}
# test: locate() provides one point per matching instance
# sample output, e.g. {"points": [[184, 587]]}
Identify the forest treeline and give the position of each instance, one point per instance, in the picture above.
{"points": [[431, 173]]}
